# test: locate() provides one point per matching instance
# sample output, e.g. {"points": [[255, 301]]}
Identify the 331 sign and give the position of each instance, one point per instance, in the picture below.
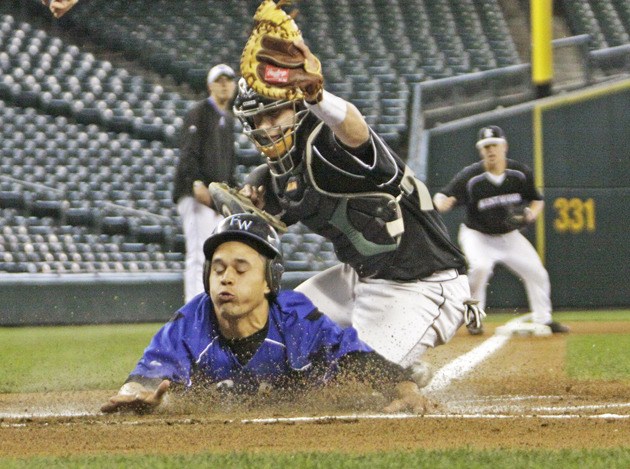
{"points": [[574, 215]]}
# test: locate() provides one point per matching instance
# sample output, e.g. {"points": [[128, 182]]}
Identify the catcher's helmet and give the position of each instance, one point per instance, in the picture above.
{"points": [[256, 233], [489, 135], [249, 103]]}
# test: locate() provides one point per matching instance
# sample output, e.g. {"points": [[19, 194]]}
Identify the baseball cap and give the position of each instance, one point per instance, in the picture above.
{"points": [[489, 135], [220, 70]]}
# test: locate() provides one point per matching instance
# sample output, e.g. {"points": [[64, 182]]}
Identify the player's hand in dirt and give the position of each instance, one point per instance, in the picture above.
{"points": [[136, 398], [255, 194], [409, 399]]}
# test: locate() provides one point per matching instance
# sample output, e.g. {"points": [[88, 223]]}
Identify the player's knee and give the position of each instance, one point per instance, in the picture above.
{"points": [[480, 270]]}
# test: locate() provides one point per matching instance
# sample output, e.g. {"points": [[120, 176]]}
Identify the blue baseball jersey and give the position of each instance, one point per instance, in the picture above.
{"points": [[298, 335]]}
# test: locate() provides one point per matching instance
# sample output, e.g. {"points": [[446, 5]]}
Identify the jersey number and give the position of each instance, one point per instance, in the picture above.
{"points": [[574, 215]]}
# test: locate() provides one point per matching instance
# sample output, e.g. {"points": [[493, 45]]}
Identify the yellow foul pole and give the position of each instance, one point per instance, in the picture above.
{"points": [[542, 51]]}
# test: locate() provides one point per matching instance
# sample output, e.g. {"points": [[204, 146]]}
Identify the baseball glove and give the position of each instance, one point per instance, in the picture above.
{"points": [[275, 62], [517, 217], [229, 201]]}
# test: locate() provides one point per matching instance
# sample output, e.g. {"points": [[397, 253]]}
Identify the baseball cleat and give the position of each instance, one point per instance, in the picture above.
{"points": [[473, 330], [558, 328]]}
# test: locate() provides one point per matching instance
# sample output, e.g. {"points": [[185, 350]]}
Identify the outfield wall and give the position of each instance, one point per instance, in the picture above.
{"points": [[579, 147], [56, 299]]}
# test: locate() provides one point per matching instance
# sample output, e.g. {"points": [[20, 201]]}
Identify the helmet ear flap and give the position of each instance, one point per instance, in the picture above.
{"points": [[206, 276], [274, 272]]}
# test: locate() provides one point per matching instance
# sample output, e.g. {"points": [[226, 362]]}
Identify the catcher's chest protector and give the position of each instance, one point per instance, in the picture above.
{"points": [[338, 203]]}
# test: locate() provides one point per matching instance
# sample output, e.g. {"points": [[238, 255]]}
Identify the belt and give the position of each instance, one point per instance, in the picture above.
{"points": [[441, 275]]}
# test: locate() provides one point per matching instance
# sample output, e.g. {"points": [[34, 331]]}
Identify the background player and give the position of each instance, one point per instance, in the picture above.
{"points": [[206, 155], [245, 333], [500, 198]]}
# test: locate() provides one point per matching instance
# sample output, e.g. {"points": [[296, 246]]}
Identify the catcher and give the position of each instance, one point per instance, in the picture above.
{"points": [[500, 199], [402, 283], [244, 335]]}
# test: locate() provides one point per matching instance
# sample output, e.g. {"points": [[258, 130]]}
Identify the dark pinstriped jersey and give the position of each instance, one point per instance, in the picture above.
{"points": [[489, 203]]}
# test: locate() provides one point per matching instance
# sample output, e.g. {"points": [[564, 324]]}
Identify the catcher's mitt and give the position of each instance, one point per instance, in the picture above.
{"points": [[229, 201], [271, 62]]}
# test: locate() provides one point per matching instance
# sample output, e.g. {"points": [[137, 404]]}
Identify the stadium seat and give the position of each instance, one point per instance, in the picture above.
{"points": [[150, 234], [12, 200], [47, 208], [112, 225], [79, 216]]}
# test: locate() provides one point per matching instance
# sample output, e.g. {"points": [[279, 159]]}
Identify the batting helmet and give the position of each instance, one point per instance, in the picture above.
{"points": [[256, 233], [275, 143]]}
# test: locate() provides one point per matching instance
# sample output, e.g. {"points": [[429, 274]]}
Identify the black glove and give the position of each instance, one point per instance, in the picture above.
{"points": [[518, 217]]}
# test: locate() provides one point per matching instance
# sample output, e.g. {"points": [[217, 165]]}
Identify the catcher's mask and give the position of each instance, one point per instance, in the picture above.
{"points": [[278, 148], [256, 233]]}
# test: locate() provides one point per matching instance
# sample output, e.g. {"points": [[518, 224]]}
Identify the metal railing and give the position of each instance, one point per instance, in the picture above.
{"points": [[438, 101]]}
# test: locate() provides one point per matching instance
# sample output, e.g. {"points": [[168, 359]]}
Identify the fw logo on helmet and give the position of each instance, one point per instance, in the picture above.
{"points": [[242, 224]]}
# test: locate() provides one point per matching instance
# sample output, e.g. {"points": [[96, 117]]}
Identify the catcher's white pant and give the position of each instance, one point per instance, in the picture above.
{"points": [[398, 320], [198, 222], [513, 250]]}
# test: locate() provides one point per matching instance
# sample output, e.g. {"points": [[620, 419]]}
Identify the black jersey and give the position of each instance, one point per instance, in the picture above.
{"points": [[349, 198], [489, 203], [206, 148]]}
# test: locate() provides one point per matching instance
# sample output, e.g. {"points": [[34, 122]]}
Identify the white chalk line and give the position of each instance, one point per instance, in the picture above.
{"points": [[350, 418], [47, 413], [548, 410], [465, 363], [358, 417]]}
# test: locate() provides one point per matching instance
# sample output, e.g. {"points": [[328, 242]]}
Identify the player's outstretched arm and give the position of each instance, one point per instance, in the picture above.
{"points": [[59, 7], [136, 398], [345, 120], [399, 384]]}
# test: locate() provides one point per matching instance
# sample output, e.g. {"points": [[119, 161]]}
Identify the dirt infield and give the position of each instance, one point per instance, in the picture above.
{"points": [[519, 397]]}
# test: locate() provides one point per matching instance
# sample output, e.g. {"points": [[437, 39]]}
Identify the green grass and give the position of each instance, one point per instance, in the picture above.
{"points": [[35, 359], [600, 357], [568, 316], [463, 458]]}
